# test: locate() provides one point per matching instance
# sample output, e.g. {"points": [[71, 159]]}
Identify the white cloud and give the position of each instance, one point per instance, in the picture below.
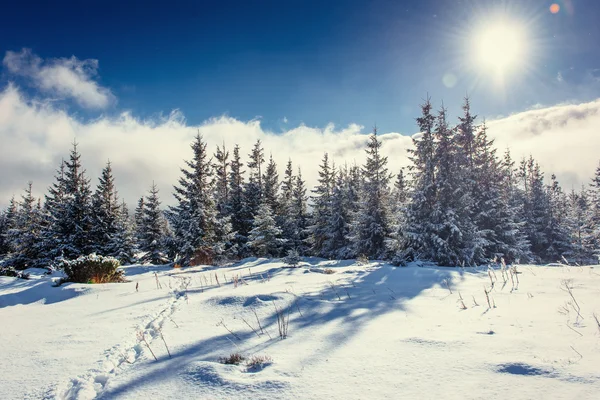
{"points": [[36, 135], [65, 77]]}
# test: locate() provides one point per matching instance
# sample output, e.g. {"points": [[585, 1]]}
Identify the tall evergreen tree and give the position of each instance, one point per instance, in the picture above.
{"points": [[265, 237], [298, 212], [422, 172], [123, 244], [77, 219], [321, 214], [271, 186], [372, 229], [25, 232], [221, 167], [153, 230], [337, 244], [254, 188], [106, 210], [9, 218], [241, 219], [594, 217], [194, 217]]}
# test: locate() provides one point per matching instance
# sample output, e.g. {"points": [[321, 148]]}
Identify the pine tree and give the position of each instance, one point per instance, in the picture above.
{"points": [[25, 232], [578, 223], [265, 237], [372, 230], [9, 221], [423, 194], [153, 230], [241, 219], [253, 191], [194, 218], [271, 186], [321, 207], [221, 168], [300, 217], [497, 223], [337, 244], [594, 217], [284, 214], [55, 232], [450, 233], [123, 244], [106, 209], [77, 218], [556, 225]]}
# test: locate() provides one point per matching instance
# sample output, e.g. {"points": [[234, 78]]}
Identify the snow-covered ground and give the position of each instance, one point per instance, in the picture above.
{"points": [[373, 331]]}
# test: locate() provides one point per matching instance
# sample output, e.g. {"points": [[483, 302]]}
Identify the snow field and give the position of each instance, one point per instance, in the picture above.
{"points": [[373, 331]]}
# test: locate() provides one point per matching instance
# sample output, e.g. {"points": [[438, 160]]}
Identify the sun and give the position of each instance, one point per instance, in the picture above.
{"points": [[499, 48]]}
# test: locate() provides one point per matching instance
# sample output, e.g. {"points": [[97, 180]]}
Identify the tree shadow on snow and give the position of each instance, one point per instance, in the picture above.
{"points": [[40, 291], [349, 306]]}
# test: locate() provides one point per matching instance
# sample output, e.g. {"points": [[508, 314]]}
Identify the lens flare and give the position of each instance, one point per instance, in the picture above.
{"points": [[554, 8]]}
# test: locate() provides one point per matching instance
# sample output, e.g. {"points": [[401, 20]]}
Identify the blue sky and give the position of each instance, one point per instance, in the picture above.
{"points": [[340, 61]]}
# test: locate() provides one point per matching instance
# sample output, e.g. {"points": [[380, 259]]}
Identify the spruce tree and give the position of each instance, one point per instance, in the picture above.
{"points": [[153, 230], [194, 217], [271, 186], [25, 232], [254, 188], [372, 229], [221, 168], [241, 219], [422, 172], [321, 214], [594, 214], [300, 217], [123, 244], [106, 210], [337, 244], [77, 219], [265, 237]]}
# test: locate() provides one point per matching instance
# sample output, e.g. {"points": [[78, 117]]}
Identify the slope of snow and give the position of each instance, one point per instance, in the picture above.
{"points": [[372, 331]]}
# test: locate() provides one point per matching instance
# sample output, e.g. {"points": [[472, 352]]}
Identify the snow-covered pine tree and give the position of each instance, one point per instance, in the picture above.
{"points": [[466, 147], [557, 228], [152, 230], [449, 233], [123, 244], [578, 223], [9, 218], [398, 208], [77, 217], [3, 230], [55, 233], [221, 168], [241, 220], [271, 186], [517, 247], [321, 214], [105, 209], [194, 217], [594, 217], [535, 207], [337, 244], [371, 232], [283, 218], [254, 188], [25, 233], [497, 225], [300, 217], [265, 237], [422, 198]]}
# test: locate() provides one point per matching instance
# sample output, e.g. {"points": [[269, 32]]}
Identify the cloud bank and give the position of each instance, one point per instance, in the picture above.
{"points": [[36, 135], [64, 77]]}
